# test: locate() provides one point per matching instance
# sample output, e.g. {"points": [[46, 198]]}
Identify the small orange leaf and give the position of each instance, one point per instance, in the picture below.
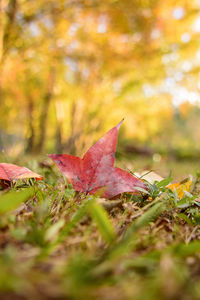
{"points": [[181, 187]]}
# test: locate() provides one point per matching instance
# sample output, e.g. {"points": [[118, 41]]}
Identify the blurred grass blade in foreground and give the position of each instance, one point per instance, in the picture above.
{"points": [[13, 199], [127, 241], [102, 220]]}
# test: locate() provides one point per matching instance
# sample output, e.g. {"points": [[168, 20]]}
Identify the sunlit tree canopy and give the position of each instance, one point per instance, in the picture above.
{"points": [[70, 70]]}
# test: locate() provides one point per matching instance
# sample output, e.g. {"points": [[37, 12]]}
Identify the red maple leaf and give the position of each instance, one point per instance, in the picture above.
{"points": [[10, 172], [96, 169]]}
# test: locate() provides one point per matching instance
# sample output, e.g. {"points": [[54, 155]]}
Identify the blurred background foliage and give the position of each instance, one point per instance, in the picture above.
{"points": [[72, 69]]}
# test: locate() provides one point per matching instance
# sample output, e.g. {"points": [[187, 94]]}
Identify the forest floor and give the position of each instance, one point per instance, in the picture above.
{"points": [[62, 245]]}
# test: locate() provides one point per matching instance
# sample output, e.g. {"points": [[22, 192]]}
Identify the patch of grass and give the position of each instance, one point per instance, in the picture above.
{"points": [[57, 244]]}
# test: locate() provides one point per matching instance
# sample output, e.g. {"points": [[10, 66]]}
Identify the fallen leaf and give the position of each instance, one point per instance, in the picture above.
{"points": [[181, 187], [149, 176], [95, 172], [10, 172]]}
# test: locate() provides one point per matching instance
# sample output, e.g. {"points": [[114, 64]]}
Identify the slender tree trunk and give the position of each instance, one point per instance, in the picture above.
{"points": [[31, 130], [5, 34], [59, 146], [75, 133], [1, 30], [44, 112], [59, 118]]}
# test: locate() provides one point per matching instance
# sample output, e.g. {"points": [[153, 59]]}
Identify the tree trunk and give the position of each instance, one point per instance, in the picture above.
{"points": [[31, 130], [44, 112], [6, 33], [75, 133], [1, 30], [59, 146]]}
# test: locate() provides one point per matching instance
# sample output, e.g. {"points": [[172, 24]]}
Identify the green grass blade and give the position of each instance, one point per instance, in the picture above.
{"points": [[149, 216], [184, 250], [126, 243], [13, 199], [76, 218], [102, 220]]}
